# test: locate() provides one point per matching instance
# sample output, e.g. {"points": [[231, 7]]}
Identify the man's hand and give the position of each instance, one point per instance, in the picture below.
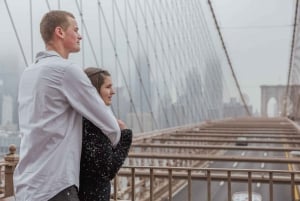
{"points": [[122, 125]]}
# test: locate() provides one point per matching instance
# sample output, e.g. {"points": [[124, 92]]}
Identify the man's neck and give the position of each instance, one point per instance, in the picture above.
{"points": [[57, 48]]}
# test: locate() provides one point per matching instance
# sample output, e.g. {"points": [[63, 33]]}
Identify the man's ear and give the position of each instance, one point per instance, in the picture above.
{"points": [[59, 32]]}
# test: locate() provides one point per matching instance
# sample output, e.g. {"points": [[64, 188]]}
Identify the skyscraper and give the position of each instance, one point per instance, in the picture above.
{"points": [[10, 74]]}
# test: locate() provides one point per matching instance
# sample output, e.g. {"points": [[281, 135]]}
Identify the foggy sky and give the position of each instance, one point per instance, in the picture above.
{"points": [[257, 34], [258, 37]]}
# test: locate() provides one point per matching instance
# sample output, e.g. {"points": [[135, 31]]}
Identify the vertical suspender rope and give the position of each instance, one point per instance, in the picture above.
{"points": [[16, 33], [79, 7], [291, 62], [211, 53], [31, 30], [113, 2], [163, 51], [48, 5], [132, 54], [192, 96], [196, 53], [138, 63], [228, 59], [118, 60], [101, 47], [131, 107]]}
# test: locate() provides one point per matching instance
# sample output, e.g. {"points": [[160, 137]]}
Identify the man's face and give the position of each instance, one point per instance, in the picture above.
{"points": [[72, 37]]}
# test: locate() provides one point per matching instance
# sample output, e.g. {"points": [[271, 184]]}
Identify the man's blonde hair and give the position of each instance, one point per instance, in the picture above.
{"points": [[53, 19]]}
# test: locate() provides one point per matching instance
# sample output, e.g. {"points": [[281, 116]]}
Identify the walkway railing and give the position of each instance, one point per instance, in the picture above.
{"points": [[175, 165], [163, 183], [7, 167]]}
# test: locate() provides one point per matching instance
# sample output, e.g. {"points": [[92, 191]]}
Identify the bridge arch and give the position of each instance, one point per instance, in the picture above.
{"points": [[278, 93]]}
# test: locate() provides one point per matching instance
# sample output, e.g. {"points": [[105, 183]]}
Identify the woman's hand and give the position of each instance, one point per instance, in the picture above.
{"points": [[122, 125]]}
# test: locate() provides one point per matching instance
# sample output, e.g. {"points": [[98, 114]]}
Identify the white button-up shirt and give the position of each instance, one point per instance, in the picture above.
{"points": [[54, 94]]}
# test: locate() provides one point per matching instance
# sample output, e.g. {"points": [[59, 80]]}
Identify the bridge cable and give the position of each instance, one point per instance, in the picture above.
{"points": [[144, 51], [100, 36], [31, 30], [178, 61], [130, 52], [128, 55], [163, 32], [208, 54], [195, 55], [16, 33], [119, 63], [48, 5], [87, 32], [58, 4], [228, 58], [164, 50], [290, 62], [221, 84], [152, 42]]}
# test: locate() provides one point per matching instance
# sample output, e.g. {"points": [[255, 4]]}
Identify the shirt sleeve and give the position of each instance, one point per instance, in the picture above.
{"points": [[85, 99]]}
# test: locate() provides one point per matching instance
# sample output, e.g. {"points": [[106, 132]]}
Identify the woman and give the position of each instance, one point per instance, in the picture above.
{"points": [[100, 161]]}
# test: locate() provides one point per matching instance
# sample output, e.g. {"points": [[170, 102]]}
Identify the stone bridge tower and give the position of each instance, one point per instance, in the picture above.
{"points": [[278, 92]]}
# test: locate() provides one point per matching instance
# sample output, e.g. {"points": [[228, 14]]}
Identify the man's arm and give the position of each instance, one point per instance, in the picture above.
{"points": [[85, 99]]}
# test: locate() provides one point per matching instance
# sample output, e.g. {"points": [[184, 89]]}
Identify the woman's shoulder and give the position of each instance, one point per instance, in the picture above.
{"points": [[92, 131]]}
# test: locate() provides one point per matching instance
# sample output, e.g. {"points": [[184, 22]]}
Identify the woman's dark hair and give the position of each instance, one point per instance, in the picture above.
{"points": [[97, 76]]}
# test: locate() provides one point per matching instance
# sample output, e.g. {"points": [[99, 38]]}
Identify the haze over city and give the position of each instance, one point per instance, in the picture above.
{"points": [[257, 35]]}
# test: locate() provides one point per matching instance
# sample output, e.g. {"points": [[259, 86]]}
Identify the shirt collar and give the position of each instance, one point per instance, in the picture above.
{"points": [[45, 54]]}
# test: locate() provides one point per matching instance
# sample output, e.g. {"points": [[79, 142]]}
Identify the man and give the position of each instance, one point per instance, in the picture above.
{"points": [[54, 94]]}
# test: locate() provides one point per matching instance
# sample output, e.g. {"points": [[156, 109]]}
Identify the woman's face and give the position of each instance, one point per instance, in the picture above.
{"points": [[107, 91]]}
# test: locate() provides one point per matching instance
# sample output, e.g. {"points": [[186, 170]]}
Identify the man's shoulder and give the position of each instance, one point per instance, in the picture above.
{"points": [[53, 59]]}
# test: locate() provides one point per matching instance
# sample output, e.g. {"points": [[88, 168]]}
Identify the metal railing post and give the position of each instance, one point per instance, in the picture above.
{"points": [[11, 160]]}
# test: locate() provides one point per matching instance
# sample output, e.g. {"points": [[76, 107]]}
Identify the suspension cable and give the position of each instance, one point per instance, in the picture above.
{"points": [[177, 60], [155, 53], [144, 51], [212, 57], [228, 59], [31, 30], [189, 57], [132, 54], [291, 62], [100, 36], [121, 69], [87, 33], [48, 5], [16, 33]]}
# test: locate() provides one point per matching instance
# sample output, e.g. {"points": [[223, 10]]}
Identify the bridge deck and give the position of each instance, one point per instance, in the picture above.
{"points": [[162, 164]]}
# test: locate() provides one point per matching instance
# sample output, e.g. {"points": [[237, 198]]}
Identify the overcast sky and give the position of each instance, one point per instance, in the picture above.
{"points": [[258, 36]]}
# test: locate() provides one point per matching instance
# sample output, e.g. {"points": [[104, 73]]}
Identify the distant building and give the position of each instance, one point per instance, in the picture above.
{"points": [[235, 109], [7, 110], [10, 75]]}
